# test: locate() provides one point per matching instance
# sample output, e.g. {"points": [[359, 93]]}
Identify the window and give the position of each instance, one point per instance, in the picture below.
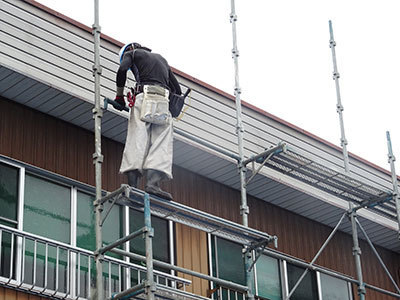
{"points": [[307, 290], [8, 195], [8, 213], [228, 264], [47, 209], [268, 278], [160, 241], [225, 253], [86, 238], [333, 288], [47, 212]]}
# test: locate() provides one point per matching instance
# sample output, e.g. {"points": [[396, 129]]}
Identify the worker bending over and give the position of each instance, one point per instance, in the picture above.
{"points": [[148, 146]]}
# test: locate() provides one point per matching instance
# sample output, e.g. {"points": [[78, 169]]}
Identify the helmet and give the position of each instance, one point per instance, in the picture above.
{"points": [[127, 47], [130, 46]]}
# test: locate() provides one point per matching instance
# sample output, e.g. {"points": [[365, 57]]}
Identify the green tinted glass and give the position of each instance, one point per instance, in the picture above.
{"points": [[47, 209], [268, 278], [112, 228], [8, 192], [230, 261], [160, 239], [307, 290], [334, 288]]}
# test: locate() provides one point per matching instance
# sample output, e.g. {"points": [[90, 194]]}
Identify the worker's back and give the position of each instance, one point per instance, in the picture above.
{"points": [[152, 68]]}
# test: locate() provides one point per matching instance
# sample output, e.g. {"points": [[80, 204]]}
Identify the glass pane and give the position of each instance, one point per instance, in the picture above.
{"points": [[112, 228], [160, 239], [5, 259], [268, 278], [8, 191], [230, 261], [334, 288], [307, 290], [47, 209]]}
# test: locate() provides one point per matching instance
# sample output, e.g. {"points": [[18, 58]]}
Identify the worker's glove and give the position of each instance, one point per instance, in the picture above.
{"points": [[121, 101]]}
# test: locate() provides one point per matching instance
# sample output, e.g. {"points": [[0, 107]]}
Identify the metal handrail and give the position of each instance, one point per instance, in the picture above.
{"points": [[53, 287]]}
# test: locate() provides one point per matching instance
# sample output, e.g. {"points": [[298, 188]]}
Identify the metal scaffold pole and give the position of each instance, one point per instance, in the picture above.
{"points": [[244, 209], [97, 156], [352, 211], [396, 195]]}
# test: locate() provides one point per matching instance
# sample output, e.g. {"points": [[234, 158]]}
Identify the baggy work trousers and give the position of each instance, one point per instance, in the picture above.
{"points": [[147, 146]]}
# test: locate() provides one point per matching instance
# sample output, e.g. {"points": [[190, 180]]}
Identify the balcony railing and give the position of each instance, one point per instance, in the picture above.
{"points": [[45, 267]]}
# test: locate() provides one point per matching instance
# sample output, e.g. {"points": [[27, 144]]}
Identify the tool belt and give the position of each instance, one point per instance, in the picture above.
{"points": [[155, 105]]}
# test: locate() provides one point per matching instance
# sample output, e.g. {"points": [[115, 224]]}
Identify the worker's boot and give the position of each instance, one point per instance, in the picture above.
{"points": [[154, 179], [133, 178]]}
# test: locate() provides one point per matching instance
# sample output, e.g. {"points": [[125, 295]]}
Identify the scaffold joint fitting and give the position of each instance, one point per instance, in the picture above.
{"points": [[356, 251], [336, 75], [244, 209]]}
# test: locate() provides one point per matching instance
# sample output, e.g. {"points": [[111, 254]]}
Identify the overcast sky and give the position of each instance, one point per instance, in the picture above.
{"points": [[285, 62]]}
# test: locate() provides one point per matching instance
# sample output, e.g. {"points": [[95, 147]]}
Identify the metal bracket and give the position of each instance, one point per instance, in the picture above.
{"points": [[109, 209]]}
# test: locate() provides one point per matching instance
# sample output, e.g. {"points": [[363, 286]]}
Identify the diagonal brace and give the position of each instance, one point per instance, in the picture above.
{"points": [[316, 256], [377, 256]]}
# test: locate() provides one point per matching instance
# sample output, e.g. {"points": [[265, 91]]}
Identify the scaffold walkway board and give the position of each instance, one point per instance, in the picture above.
{"points": [[193, 218], [164, 292], [333, 182]]}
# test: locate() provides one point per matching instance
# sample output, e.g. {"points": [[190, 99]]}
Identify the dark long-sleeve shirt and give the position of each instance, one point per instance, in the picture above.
{"points": [[148, 68]]}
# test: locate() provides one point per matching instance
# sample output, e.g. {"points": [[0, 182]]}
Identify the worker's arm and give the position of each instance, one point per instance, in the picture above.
{"points": [[126, 63], [173, 84]]}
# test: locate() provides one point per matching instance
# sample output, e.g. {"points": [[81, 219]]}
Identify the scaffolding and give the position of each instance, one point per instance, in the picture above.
{"points": [[280, 158]]}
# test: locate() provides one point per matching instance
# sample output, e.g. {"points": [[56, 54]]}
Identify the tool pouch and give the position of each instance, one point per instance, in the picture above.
{"points": [[155, 105]]}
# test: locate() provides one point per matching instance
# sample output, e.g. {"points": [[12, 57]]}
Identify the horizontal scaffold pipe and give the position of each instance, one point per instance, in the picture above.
{"points": [[123, 240], [129, 292], [303, 264], [218, 281], [274, 150], [208, 145], [113, 194]]}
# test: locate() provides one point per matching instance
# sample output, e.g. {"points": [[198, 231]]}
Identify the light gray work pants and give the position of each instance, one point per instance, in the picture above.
{"points": [[147, 146]]}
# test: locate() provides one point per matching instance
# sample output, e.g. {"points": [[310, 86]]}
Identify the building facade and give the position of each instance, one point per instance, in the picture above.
{"points": [[47, 183]]}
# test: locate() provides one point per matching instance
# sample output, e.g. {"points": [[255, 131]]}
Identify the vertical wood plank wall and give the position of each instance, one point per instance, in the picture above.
{"points": [[8, 294], [191, 253], [49, 143]]}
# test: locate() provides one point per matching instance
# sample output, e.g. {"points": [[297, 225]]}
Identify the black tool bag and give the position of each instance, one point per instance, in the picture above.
{"points": [[176, 103]]}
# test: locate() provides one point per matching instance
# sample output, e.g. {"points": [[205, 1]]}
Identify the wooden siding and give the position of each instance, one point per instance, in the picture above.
{"points": [[191, 253], [8, 294], [49, 143]]}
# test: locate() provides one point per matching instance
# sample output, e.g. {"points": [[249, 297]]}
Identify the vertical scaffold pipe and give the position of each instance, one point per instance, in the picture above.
{"points": [[352, 212], [244, 209], [339, 106], [150, 286], [97, 156], [392, 159]]}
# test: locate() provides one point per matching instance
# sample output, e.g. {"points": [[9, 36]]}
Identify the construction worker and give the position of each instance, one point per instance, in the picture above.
{"points": [[148, 146]]}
